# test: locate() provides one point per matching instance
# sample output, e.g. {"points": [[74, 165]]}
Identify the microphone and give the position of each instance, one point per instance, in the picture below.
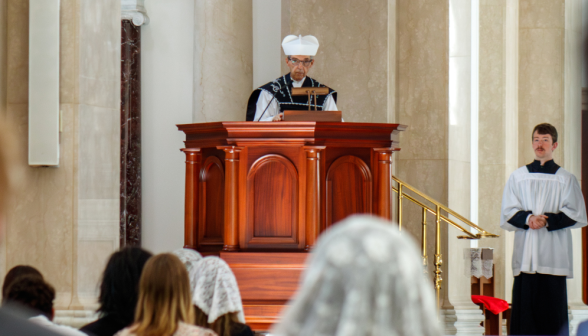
{"points": [[268, 104]]}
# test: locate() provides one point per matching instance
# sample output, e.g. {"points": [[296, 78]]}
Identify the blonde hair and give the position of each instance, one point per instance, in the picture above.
{"points": [[221, 326], [164, 297]]}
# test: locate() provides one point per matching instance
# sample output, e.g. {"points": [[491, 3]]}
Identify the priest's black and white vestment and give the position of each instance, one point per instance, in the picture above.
{"points": [[542, 258]]}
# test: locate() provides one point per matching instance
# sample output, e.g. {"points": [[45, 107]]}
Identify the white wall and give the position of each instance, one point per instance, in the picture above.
{"points": [[267, 41], [167, 87]]}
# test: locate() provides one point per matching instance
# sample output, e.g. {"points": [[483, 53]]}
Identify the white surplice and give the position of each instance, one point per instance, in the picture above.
{"points": [[543, 251], [272, 110]]}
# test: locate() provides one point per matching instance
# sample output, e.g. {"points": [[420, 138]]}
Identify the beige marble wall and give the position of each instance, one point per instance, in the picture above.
{"points": [[541, 71], [39, 224], [223, 65], [3, 84], [98, 147], [459, 147], [64, 220], [422, 103], [353, 52], [491, 131]]}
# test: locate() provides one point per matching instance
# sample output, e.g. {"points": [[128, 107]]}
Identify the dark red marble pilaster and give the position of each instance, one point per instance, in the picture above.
{"points": [[130, 135]]}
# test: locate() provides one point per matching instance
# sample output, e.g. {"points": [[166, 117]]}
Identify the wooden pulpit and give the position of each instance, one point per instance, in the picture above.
{"points": [[258, 194]]}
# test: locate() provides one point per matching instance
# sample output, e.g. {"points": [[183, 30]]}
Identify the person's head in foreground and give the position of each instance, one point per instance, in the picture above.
{"points": [[32, 292], [15, 273], [362, 279], [217, 299], [165, 305], [544, 142], [299, 52], [119, 290]]}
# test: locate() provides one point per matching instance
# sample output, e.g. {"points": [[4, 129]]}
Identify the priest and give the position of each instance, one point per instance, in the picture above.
{"points": [[268, 102], [541, 203]]}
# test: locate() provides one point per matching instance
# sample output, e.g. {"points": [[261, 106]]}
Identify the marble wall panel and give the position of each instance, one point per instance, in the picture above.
{"points": [[541, 71], [68, 55], [223, 64], [17, 51], [422, 51], [40, 223], [3, 52], [99, 160], [491, 187], [422, 78], [541, 13], [98, 227], [491, 131], [541, 90], [99, 48], [353, 53], [460, 106]]}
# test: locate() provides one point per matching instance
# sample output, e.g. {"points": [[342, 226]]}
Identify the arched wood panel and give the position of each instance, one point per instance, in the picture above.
{"points": [[349, 189], [212, 217], [272, 201]]}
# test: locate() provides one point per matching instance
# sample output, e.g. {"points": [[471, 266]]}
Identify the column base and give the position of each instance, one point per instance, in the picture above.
{"points": [[576, 316], [75, 318], [462, 322]]}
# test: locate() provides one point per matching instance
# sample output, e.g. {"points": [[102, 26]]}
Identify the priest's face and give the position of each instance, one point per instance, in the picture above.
{"points": [[299, 66], [543, 146]]}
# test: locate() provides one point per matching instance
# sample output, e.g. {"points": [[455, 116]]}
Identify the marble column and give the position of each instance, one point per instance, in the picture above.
{"points": [[353, 53], [133, 16], [223, 60], [572, 87], [491, 165]]}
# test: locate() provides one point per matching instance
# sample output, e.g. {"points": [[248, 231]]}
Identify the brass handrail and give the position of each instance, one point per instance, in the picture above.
{"points": [[438, 218]]}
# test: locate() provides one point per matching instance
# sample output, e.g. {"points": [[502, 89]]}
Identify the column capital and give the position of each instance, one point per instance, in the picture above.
{"points": [[135, 11]]}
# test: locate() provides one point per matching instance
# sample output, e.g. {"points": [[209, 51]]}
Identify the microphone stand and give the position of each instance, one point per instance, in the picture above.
{"points": [[273, 97]]}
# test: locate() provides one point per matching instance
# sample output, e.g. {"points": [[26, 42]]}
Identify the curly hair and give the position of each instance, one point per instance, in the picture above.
{"points": [[33, 292], [15, 273]]}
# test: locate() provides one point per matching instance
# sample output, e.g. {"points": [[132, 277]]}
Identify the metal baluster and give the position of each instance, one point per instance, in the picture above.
{"points": [[438, 260], [425, 263]]}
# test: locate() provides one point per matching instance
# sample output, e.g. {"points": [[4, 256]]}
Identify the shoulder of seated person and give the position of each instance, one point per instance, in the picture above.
{"points": [[185, 329]]}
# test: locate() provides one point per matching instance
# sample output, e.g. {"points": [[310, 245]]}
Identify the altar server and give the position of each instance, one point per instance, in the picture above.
{"points": [[363, 279], [268, 102], [541, 203]]}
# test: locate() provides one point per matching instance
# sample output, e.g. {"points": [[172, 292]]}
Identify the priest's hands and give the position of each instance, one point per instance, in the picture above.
{"points": [[537, 222], [278, 117]]}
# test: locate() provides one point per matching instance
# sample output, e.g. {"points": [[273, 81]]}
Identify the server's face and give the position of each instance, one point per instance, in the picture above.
{"points": [[299, 66], [543, 146]]}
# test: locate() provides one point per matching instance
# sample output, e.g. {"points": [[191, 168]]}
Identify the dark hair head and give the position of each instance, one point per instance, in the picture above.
{"points": [[17, 272], [545, 128], [34, 293], [119, 290]]}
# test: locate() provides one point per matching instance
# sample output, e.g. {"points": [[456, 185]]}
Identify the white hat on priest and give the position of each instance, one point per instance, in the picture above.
{"points": [[300, 45], [363, 278]]}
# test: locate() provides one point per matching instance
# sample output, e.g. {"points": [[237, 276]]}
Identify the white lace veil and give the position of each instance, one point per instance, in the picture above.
{"points": [[363, 279], [215, 289], [189, 258]]}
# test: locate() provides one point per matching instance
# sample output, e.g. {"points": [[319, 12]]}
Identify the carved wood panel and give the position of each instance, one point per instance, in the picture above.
{"points": [[349, 189], [272, 202], [211, 221]]}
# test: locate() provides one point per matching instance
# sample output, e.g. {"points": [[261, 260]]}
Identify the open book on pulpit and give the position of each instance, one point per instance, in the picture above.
{"points": [[311, 115]]}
